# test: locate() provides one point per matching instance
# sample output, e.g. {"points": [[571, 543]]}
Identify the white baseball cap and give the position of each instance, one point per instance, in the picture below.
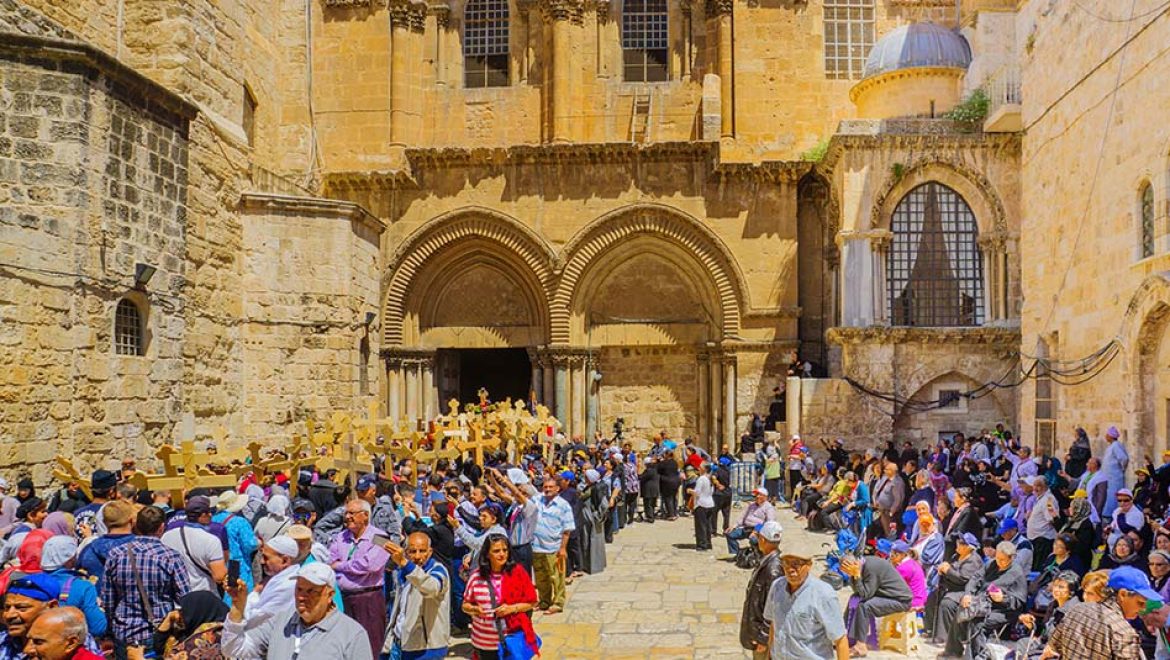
{"points": [[284, 545], [771, 531], [319, 574]]}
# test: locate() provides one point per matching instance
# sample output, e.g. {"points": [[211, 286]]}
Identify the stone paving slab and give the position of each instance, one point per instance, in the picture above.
{"points": [[661, 599]]}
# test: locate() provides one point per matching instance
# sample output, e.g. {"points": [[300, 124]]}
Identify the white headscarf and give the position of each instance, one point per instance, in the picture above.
{"points": [[278, 506]]}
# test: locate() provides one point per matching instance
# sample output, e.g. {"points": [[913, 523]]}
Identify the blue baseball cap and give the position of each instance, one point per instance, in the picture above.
{"points": [[1131, 579], [969, 539], [900, 547], [884, 546], [37, 586], [366, 482], [568, 475], [1008, 523]]}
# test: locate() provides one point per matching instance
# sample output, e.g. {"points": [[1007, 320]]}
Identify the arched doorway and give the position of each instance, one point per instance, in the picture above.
{"points": [[1153, 379]]}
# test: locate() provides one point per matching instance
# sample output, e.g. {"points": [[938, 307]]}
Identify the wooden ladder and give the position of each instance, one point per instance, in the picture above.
{"points": [[640, 117]]}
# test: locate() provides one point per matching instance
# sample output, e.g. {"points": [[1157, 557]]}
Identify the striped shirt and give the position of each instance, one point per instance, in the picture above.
{"points": [[556, 518], [484, 635]]}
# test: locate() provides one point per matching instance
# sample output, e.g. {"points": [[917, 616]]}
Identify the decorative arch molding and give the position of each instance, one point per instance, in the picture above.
{"points": [[1143, 328], [969, 183], [926, 378], [514, 241], [663, 222]]}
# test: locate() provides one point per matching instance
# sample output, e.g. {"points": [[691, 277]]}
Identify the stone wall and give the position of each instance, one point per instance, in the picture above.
{"points": [[93, 180], [310, 278], [653, 388]]}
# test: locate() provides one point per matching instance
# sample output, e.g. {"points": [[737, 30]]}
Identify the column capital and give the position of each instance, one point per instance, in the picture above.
{"points": [[563, 10], [717, 8], [407, 14], [442, 14]]}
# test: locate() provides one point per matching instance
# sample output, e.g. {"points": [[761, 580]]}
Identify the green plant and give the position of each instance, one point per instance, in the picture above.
{"points": [[898, 170], [972, 109], [817, 153]]}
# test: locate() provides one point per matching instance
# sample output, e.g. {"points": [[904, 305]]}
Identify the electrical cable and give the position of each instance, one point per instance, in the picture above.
{"points": [[1111, 19]]}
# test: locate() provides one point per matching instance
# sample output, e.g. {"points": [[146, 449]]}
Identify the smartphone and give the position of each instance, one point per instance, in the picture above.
{"points": [[233, 575], [381, 540]]}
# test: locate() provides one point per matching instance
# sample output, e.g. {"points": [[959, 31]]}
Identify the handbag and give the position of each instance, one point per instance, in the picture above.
{"points": [[512, 646], [979, 608]]}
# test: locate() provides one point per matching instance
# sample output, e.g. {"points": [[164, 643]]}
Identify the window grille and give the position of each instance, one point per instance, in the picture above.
{"points": [[645, 40], [1147, 221], [849, 36], [485, 43], [949, 398], [128, 329], [935, 269]]}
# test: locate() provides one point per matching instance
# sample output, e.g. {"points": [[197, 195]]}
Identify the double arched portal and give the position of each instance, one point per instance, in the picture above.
{"points": [[634, 317]]}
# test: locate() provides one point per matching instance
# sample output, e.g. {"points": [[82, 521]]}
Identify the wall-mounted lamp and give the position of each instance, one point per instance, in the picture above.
{"points": [[597, 376], [142, 274]]}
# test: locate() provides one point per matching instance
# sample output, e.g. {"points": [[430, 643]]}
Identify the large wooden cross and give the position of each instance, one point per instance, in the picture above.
{"points": [[66, 473]]}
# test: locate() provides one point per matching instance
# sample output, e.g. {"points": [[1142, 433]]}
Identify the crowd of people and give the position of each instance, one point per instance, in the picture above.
{"points": [[391, 567], [994, 545]]}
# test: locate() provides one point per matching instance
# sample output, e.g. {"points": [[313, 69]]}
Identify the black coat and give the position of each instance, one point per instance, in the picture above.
{"points": [[967, 520], [668, 477], [649, 481], [753, 627]]}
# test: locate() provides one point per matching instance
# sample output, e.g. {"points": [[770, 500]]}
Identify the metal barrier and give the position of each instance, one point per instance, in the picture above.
{"points": [[744, 479]]}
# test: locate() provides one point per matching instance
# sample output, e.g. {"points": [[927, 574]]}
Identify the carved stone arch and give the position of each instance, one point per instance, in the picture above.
{"points": [[1144, 329], [665, 223], [509, 238], [833, 210], [969, 183], [976, 413]]}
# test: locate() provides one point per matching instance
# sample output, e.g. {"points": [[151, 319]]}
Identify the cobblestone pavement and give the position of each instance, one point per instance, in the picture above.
{"points": [[659, 598]]}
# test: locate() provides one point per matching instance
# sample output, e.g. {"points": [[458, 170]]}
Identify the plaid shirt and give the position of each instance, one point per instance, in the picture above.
{"points": [[164, 578], [1096, 631]]}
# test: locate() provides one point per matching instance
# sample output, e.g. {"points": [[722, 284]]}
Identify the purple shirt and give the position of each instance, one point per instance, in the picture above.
{"points": [[359, 565], [757, 514], [911, 572]]}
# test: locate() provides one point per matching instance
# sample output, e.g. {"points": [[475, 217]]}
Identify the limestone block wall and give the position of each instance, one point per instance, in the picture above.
{"points": [[831, 408], [652, 388], [311, 269], [1091, 145], [93, 180]]}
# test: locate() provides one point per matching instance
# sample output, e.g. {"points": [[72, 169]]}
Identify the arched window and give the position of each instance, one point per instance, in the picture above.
{"points": [[485, 43], [128, 331], [364, 366], [935, 270], [644, 40], [1147, 210]]}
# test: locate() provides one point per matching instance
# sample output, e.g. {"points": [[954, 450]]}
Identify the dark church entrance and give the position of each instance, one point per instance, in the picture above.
{"points": [[504, 372]]}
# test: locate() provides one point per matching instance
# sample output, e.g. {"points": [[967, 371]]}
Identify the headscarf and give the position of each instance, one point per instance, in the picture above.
{"points": [[57, 552], [29, 556], [278, 506], [201, 607], [1078, 512], [59, 523]]}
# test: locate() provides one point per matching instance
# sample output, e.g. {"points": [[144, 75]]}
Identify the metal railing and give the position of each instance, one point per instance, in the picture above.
{"points": [[1003, 88]]}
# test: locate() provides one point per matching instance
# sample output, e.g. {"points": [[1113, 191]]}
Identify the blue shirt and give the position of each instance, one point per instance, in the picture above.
{"points": [[556, 518], [81, 594], [92, 559], [805, 624]]}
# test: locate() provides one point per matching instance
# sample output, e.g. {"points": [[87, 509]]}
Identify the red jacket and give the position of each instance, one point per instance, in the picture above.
{"points": [[517, 588], [85, 654]]}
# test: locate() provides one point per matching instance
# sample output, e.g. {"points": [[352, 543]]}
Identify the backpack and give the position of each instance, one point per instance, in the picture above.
{"points": [[632, 485]]}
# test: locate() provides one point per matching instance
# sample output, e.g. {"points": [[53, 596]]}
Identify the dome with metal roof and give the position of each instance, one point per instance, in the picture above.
{"points": [[918, 45]]}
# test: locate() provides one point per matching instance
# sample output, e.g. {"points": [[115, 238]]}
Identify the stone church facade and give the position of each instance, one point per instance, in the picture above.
{"points": [[259, 212]]}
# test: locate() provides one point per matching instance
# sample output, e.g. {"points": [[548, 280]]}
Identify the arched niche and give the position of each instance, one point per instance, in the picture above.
{"points": [[966, 416]]}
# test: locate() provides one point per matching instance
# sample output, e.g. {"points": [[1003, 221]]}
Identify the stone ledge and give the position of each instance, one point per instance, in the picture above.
{"points": [[255, 201], [987, 335], [30, 48]]}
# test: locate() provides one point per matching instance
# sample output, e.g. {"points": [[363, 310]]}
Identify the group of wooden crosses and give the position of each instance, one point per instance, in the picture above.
{"points": [[342, 443]]}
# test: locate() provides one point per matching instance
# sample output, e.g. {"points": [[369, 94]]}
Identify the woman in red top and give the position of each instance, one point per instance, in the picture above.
{"points": [[500, 577]]}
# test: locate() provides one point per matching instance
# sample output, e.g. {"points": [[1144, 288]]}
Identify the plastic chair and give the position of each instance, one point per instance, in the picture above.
{"points": [[899, 632]]}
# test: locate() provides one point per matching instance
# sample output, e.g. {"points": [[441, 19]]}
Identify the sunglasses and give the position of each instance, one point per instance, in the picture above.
{"points": [[1122, 500]]}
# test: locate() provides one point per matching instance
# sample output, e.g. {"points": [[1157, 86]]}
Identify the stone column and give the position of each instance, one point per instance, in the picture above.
{"points": [[719, 13], [880, 249], [729, 404], [592, 393], [549, 393], [702, 428], [562, 14], [792, 404], [561, 369], [857, 304], [687, 59], [400, 71], [715, 395], [429, 396], [536, 382], [412, 378], [578, 396], [393, 382]]}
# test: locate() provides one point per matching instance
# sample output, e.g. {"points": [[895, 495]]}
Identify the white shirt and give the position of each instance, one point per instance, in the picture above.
{"points": [[204, 549], [1044, 511], [704, 492], [276, 597]]}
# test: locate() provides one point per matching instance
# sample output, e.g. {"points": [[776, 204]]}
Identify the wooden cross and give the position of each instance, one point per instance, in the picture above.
{"points": [[477, 442], [189, 477], [66, 473]]}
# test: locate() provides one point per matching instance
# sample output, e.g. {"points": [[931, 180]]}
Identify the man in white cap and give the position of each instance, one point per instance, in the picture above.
{"points": [[753, 627], [804, 614], [315, 631], [757, 513], [278, 560]]}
